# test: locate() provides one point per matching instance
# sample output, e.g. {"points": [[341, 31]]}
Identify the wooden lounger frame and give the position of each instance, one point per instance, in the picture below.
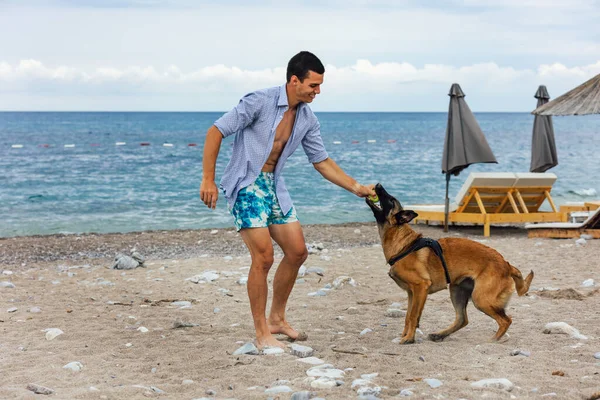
{"points": [[488, 205]]}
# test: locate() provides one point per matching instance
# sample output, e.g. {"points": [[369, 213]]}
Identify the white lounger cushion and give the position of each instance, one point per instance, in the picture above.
{"points": [[431, 207], [485, 179], [562, 225], [532, 179]]}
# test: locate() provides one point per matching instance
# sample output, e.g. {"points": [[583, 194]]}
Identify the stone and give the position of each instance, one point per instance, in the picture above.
{"points": [[324, 382], [278, 389], [433, 383], [588, 283], [12, 310], [242, 281], [248, 348], [318, 293], [181, 303], [581, 242], [301, 273], [325, 370], [52, 333], [597, 356], [302, 351], [395, 313], [38, 389], [304, 395], [206, 276], [311, 360], [339, 282], [368, 391], [272, 350], [586, 236], [365, 331], [125, 262], [500, 383], [74, 366], [142, 329], [406, 393], [7, 285], [187, 382], [563, 327], [518, 352]]}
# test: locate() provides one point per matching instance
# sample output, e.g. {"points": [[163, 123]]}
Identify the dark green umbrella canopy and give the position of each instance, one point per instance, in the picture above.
{"points": [[543, 146]]}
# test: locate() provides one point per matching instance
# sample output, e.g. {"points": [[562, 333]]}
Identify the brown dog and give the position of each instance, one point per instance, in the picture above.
{"points": [[474, 271]]}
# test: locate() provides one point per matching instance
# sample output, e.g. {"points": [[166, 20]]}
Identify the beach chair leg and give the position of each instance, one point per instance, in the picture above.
{"points": [[486, 226]]}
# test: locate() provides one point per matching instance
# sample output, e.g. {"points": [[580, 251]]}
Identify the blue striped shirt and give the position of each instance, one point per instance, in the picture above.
{"points": [[254, 121]]}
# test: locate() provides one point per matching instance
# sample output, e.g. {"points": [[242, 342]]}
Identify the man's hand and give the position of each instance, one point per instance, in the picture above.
{"points": [[364, 190], [209, 193]]}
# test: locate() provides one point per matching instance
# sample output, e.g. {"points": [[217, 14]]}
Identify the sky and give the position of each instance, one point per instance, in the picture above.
{"points": [[379, 55]]}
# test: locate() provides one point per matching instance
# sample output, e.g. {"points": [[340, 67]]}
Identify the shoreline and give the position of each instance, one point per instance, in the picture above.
{"points": [[22, 251]]}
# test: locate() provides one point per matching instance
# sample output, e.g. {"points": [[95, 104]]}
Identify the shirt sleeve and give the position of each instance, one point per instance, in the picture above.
{"points": [[313, 145], [240, 116]]}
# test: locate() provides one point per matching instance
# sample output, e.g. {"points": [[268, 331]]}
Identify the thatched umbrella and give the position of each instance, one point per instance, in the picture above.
{"points": [[583, 100], [543, 147], [465, 143]]}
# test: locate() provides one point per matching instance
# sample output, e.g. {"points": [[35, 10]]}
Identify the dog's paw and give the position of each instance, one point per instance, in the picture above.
{"points": [[407, 340], [434, 337]]}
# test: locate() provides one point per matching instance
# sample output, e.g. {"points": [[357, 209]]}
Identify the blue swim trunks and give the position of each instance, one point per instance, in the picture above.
{"points": [[256, 205]]}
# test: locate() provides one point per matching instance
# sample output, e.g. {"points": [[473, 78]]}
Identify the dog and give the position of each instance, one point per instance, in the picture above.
{"points": [[470, 269]]}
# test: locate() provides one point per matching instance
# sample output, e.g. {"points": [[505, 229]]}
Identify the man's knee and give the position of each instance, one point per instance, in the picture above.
{"points": [[298, 256], [263, 260]]}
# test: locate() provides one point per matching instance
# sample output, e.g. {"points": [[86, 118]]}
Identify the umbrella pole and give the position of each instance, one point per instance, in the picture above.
{"points": [[447, 204]]}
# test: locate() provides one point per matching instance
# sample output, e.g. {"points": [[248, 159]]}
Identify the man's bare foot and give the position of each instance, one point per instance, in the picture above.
{"points": [[284, 328], [268, 341]]}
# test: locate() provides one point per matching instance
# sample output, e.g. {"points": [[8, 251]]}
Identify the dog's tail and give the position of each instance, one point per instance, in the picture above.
{"points": [[521, 284]]}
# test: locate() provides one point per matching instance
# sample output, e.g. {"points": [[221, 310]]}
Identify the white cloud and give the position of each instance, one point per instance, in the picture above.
{"points": [[363, 85]]}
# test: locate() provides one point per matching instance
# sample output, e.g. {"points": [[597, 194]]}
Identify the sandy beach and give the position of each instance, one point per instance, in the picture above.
{"points": [[64, 282]]}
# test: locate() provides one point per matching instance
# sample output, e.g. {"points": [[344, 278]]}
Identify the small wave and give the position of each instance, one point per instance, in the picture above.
{"points": [[36, 197], [584, 192]]}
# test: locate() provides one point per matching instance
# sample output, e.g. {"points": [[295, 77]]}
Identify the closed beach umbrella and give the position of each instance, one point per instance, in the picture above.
{"points": [[465, 143], [583, 100], [543, 147]]}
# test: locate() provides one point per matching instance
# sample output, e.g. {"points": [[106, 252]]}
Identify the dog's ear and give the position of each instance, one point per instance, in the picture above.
{"points": [[405, 216]]}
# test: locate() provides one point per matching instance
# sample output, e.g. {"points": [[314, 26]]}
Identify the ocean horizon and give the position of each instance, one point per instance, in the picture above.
{"points": [[102, 171]]}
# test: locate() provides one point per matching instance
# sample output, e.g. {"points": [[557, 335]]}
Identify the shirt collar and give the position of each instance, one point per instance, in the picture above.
{"points": [[283, 99]]}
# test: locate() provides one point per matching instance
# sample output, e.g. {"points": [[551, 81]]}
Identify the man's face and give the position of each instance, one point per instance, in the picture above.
{"points": [[307, 91]]}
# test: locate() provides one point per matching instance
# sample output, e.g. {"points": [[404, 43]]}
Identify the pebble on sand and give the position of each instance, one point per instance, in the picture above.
{"points": [[8, 285], [588, 283], [563, 327], [302, 351], [39, 389], [311, 360], [74, 366], [52, 333], [433, 383], [500, 383], [278, 389], [248, 348]]}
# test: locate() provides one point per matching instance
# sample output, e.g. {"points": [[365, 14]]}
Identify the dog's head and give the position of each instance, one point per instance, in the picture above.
{"points": [[389, 212]]}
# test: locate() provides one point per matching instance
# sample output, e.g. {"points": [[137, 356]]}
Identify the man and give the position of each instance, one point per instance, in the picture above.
{"points": [[268, 126]]}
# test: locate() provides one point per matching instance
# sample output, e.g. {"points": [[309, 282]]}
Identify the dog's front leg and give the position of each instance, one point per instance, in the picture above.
{"points": [[408, 306], [419, 292]]}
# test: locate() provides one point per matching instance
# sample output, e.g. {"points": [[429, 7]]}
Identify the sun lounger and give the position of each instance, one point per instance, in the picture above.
{"points": [[566, 230], [497, 197]]}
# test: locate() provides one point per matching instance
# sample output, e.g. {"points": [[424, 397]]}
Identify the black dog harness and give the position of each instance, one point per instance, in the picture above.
{"points": [[419, 244]]}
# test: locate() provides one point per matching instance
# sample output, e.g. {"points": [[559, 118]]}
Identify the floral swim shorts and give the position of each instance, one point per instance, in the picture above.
{"points": [[257, 206]]}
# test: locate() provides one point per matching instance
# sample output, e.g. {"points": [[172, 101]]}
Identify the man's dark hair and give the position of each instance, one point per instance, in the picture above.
{"points": [[303, 62]]}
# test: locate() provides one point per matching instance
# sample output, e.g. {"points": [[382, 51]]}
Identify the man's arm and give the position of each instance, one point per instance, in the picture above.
{"points": [[334, 174], [208, 188]]}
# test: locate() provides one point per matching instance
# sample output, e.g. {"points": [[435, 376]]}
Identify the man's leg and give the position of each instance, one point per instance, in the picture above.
{"points": [[258, 241], [291, 240]]}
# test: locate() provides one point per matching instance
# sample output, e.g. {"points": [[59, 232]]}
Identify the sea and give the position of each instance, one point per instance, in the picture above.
{"points": [[101, 172]]}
